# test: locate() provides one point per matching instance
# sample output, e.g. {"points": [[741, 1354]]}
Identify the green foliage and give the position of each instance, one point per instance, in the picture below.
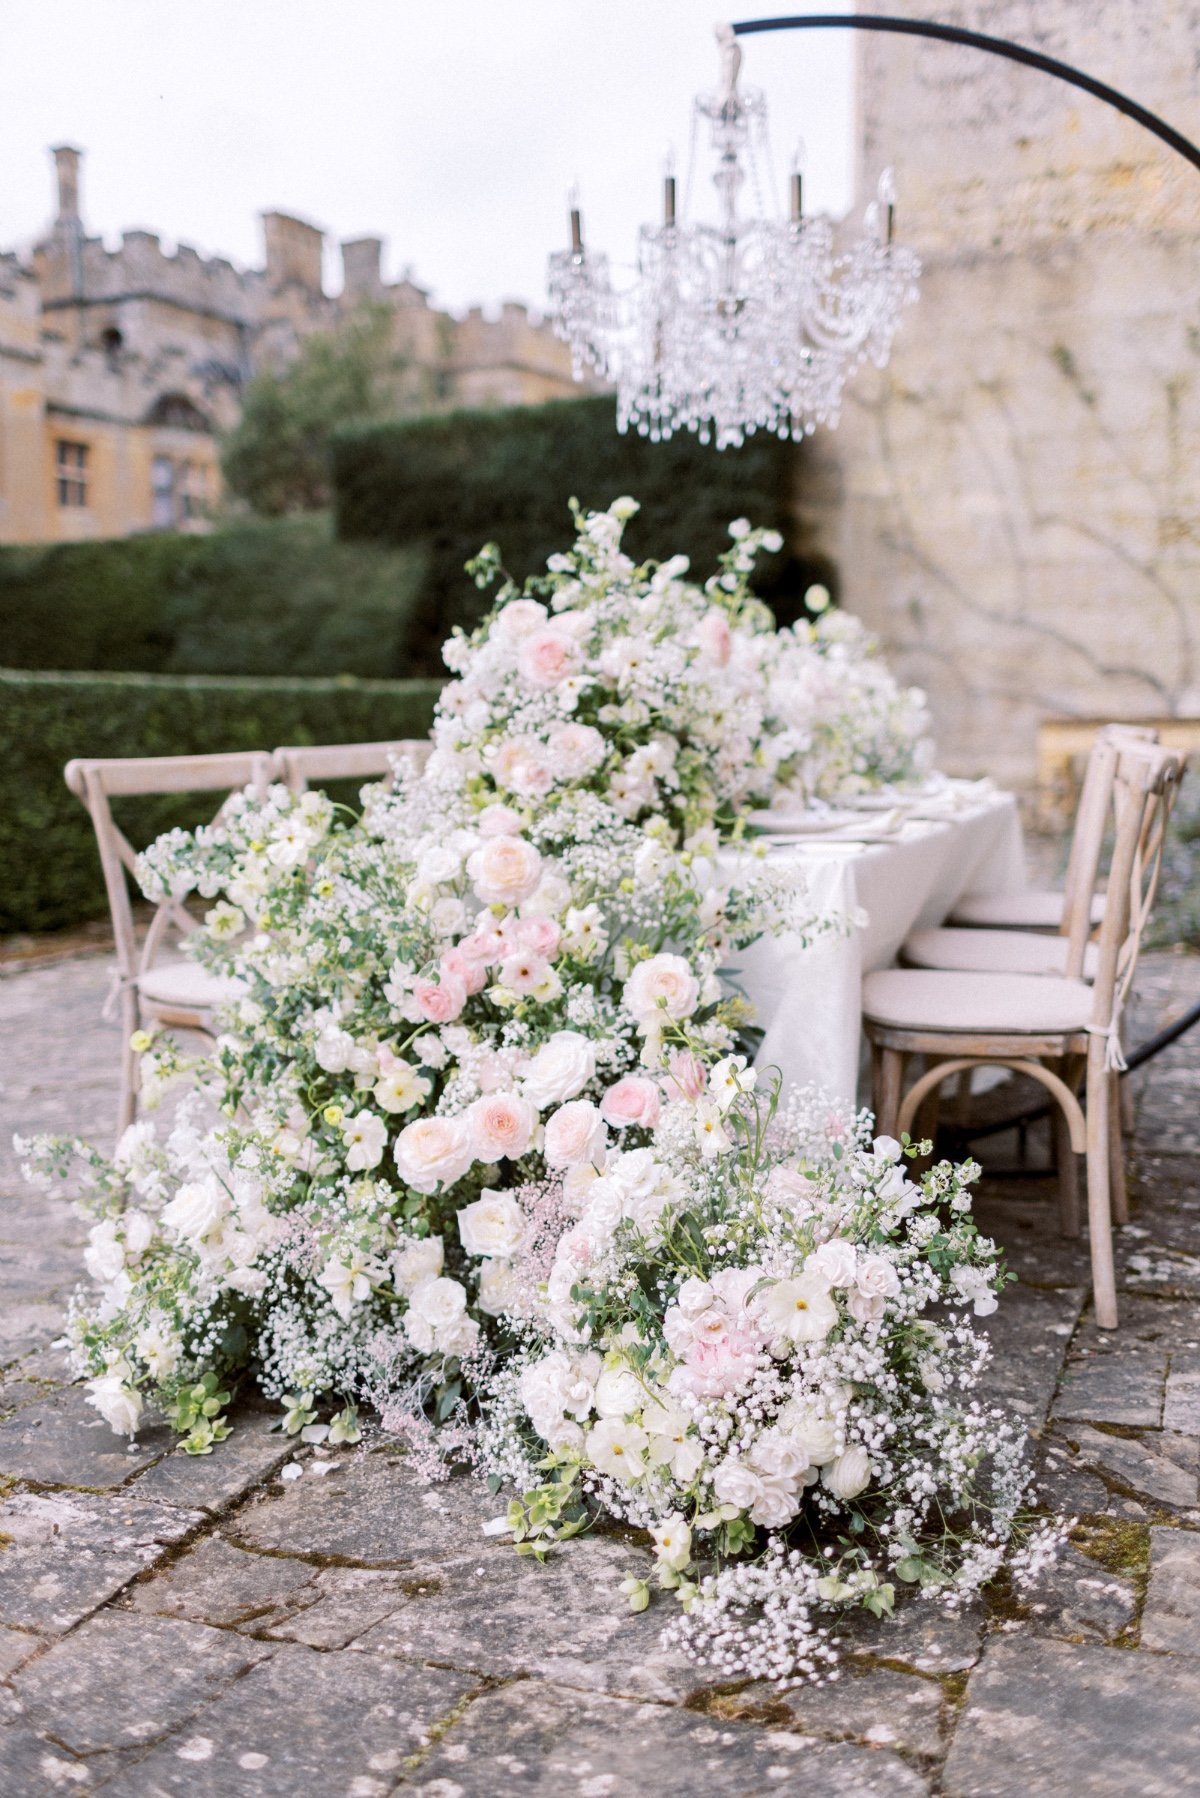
{"points": [[454, 482], [277, 456], [274, 598], [47, 846]]}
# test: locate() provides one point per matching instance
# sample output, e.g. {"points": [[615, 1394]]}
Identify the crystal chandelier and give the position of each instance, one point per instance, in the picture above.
{"points": [[752, 323]]}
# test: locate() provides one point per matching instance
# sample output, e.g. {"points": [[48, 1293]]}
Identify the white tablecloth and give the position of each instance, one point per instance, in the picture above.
{"points": [[809, 999]]}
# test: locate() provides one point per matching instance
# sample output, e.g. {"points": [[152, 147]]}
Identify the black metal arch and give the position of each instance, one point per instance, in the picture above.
{"points": [[993, 46]]}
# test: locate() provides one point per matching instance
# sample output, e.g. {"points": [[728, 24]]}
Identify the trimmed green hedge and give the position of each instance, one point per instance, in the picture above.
{"points": [[271, 597], [47, 847], [460, 480]]}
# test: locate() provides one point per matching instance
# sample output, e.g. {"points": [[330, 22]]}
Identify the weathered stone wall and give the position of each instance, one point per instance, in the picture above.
{"points": [[1015, 502]]}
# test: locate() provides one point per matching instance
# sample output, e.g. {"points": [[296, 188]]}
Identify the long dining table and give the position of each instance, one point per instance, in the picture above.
{"points": [[884, 878]]}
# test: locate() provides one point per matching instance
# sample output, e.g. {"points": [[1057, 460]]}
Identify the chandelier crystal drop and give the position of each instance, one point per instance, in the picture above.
{"points": [[749, 323]]}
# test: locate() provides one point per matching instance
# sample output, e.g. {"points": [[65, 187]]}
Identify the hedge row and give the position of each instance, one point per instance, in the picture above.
{"points": [[460, 480], [47, 847], [271, 597]]}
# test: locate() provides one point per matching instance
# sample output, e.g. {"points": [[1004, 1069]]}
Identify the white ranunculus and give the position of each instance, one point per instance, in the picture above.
{"points": [[493, 1225], [333, 1049], [736, 1484], [434, 1152], [618, 1392], [776, 1504], [849, 1474], [416, 1258], [835, 1261], [560, 1070], [119, 1404], [197, 1208]]}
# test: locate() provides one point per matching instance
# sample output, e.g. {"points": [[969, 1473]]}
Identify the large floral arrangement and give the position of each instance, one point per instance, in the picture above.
{"points": [[753, 1341], [499, 969]]}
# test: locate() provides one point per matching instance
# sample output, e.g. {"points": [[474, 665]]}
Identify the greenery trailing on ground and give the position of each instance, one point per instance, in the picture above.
{"points": [[47, 846]]}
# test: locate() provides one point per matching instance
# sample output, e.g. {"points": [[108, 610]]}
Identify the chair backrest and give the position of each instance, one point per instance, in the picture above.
{"points": [[300, 766], [1145, 787], [95, 783], [1087, 837]]}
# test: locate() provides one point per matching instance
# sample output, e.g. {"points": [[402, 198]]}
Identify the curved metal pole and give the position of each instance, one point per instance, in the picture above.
{"points": [[994, 46]]}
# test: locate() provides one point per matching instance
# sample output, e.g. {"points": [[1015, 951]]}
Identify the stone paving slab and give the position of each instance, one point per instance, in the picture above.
{"points": [[534, 1738], [1046, 1718], [201, 1626]]}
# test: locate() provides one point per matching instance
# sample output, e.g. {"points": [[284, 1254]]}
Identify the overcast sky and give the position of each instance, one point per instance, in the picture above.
{"points": [[453, 129]]}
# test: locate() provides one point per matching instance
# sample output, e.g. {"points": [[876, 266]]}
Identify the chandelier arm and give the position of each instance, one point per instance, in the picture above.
{"points": [[994, 46]]}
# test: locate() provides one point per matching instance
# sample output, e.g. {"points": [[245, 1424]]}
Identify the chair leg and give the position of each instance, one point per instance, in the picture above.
{"points": [[891, 1079], [1128, 1110], [1116, 1145], [1099, 1092], [1067, 1163], [127, 1102], [962, 1097]]}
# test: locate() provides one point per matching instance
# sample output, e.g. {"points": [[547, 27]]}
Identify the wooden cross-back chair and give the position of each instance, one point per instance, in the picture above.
{"points": [[1052, 910], [150, 990], [303, 766], [1059, 1031]]}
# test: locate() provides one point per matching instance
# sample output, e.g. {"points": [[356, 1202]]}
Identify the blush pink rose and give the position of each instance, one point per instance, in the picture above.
{"points": [[547, 657], [664, 984], [574, 1134], [540, 936], [687, 1073], [518, 618], [440, 1001], [716, 1366], [633, 1100], [462, 967], [498, 821], [576, 750], [716, 638], [433, 1151], [501, 1125], [505, 870]]}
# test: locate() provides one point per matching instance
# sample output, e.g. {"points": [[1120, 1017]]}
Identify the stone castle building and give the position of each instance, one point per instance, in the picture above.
{"points": [[119, 368], [1014, 503]]}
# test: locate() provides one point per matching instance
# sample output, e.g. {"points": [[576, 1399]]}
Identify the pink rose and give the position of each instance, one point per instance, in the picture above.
{"points": [[490, 942], [463, 968], [574, 1134], [518, 618], [547, 657], [715, 1366], [502, 1125], [576, 750], [498, 821], [540, 936], [687, 1073], [520, 764], [505, 870], [434, 1151], [716, 638], [440, 1001], [633, 1100]]}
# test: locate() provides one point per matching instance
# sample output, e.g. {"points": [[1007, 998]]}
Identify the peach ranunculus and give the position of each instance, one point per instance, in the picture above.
{"points": [[502, 1125], [434, 1151], [664, 984], [547, 657], [440, 1001], [505, 870], [633, 1100], [574, 1134]]}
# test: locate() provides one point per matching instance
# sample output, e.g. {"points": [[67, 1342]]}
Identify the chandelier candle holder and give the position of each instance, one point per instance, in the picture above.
{"points": [[751, 323]]}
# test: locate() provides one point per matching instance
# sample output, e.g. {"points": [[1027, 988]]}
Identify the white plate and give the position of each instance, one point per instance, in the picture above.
{"points": [[803, 824]]}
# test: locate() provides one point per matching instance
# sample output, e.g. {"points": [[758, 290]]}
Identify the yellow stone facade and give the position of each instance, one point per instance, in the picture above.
{"points": [[120, 368]]}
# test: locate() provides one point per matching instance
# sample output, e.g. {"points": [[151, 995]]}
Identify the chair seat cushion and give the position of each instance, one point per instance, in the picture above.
{"points": [[1033, 910], [994, 952], [186, 986], [920, 999]]}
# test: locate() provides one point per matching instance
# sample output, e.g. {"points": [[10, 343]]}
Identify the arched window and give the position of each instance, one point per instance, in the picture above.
{"points": [[177, 412]]}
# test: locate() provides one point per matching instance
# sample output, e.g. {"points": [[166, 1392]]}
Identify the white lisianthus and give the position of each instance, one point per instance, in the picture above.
{"points": [[365, 1138], [735, 1483], [618, 1392], [104, 1256], [197, 1209], [493, 1225], [334, 1049], [436, 1321]]}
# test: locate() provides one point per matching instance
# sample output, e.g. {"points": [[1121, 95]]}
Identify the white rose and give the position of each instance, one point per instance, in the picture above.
{"points": [[574, 1134], [104, 1256], [498, 1288], [416, 1258], [736, 1484], [560, 1070], [119, 1404], [436, 1310], [665, 983], [333, 1049], [505, 870], [776, 1504], [433, 1152], [877, 1277], [493, 1225], [849, 1474], [835, 1261], [197, 1208], [138, 1227]]}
